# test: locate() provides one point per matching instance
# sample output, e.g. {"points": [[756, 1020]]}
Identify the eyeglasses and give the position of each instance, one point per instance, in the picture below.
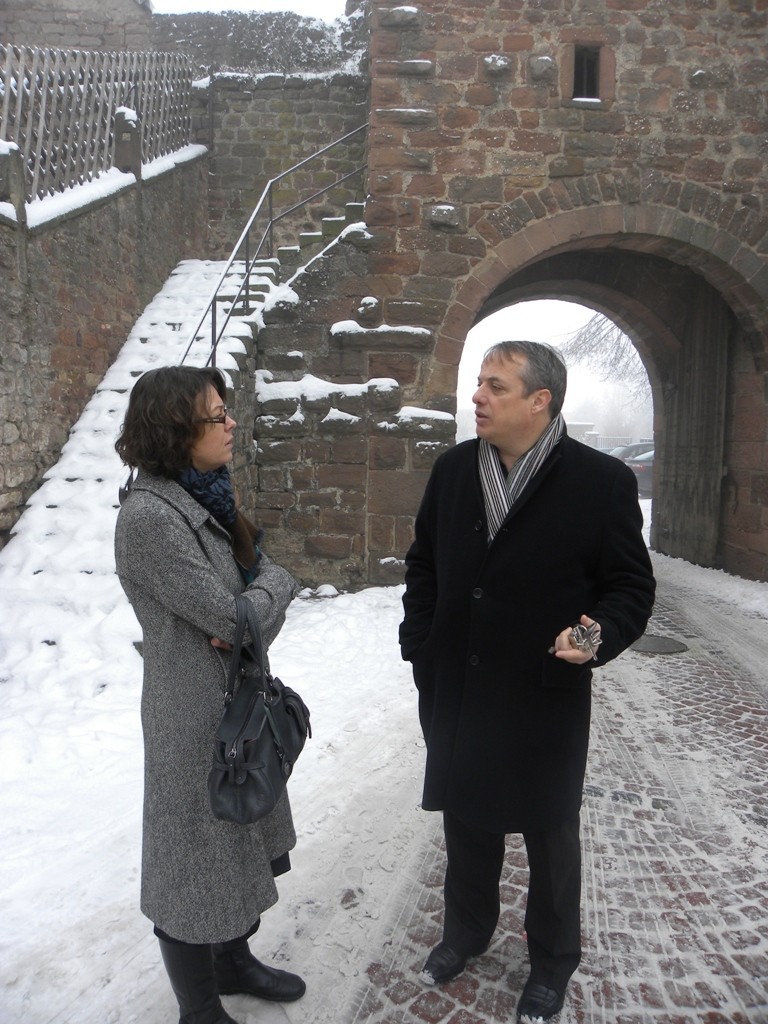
{"points": [[221, 418]]}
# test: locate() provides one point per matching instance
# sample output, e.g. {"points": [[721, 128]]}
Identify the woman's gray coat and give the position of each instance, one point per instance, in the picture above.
{"points": [[203, 880]]}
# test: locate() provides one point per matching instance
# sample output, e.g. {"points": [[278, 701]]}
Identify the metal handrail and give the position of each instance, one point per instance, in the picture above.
{"points": [[266, 238]]}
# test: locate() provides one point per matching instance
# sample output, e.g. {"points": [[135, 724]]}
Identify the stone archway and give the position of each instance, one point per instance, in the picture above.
{"points": [[699, 328], [699, 321], [488, 173]]}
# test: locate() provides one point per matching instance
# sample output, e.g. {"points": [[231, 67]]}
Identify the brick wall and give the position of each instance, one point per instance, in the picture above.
{"points": [[474, 134], [491, 178], [77, 24], [71, 292], [259, 126], [341, 468], [488, 166]]}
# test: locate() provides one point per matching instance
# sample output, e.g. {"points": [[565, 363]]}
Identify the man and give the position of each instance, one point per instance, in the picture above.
{"points": [[522, 534]]}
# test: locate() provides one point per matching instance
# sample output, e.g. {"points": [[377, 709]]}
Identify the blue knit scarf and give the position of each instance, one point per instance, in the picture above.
{"points": [[214, 491]]}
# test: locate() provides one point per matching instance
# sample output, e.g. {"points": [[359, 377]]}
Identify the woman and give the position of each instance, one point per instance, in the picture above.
{"points": [[183, 553]]}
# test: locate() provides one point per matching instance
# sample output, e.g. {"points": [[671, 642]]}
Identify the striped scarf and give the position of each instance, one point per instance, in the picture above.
{"points": [[501, 489]]}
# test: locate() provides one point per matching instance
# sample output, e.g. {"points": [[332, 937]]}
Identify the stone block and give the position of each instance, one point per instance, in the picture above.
{"points": [[382, 338], [342, 477], [385, 570], [403, 68], [446, 217], [388, 264], [464, 161], [324, 546], [413, 312], [402, 367], [424, 453], [395, 493], [300, 477], [566, 166], [388, 453], [341, 521], [429, 186], [384, 211], [381, 532], [471, 189], [278, 501], [10, 501], [400, 18], [405, 116], [403, 533], [353, 450], [303, 521], [383, 395], [338, 422], [273, 478]]}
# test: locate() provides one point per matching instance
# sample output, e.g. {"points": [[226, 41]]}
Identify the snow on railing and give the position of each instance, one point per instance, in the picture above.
{"points": [[58, 107]]}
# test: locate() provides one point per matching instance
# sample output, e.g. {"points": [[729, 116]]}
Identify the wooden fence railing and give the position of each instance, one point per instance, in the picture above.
{"points": [[58, 107]]}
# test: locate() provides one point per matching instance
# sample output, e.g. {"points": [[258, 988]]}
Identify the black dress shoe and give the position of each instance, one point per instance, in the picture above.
{"points": [[443, 964], [539, 1003]]}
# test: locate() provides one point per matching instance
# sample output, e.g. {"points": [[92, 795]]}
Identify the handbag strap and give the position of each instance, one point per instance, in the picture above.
{"points": [[246, 617]]}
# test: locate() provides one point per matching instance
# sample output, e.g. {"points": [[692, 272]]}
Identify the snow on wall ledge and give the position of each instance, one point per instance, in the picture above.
{"points": [[286, 404], [79, 198]]}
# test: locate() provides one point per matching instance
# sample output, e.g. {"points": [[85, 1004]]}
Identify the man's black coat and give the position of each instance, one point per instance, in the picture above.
{"points": [[506, 724]]}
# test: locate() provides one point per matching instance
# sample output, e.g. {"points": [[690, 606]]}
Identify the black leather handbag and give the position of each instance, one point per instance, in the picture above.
{"points": [[261, 733]]}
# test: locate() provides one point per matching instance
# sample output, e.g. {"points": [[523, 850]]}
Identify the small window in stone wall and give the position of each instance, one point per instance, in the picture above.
{"points": [[586, 73]]}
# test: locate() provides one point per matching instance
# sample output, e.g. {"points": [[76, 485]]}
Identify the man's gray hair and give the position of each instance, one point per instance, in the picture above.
{"points": [[542, 367]]}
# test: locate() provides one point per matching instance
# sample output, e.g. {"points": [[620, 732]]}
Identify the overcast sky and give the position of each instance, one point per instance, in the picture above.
{"points": [[325, 9]]}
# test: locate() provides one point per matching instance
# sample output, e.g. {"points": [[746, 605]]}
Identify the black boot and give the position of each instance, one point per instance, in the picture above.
{"points": [[193, 980], [238, 970]]}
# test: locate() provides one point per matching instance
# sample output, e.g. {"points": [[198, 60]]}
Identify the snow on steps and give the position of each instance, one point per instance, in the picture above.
{"points": [[71, 517], [310, 242]]}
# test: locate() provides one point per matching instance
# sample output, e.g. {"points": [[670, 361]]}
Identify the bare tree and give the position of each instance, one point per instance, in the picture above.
{"points": [[610, 353]]}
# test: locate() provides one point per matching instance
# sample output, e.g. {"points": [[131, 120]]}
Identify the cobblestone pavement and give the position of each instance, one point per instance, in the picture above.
{"points": [[675, 836]]}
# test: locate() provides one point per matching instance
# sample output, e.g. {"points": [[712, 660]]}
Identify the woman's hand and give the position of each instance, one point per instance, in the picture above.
{"points": [[222, 644]]}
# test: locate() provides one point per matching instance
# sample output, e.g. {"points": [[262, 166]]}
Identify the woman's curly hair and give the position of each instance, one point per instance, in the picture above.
{"points": [[162, 421]]}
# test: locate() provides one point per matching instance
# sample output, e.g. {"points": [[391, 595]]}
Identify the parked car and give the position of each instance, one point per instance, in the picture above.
{"points": [[631, 451], [642, 467]]}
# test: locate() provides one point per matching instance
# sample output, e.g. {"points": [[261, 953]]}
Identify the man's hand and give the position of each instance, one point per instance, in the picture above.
{"points": [[565, 646]]}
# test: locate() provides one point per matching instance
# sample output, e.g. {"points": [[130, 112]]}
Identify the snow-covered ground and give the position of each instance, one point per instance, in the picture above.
{"points": [[74, 948], [74, 945]]}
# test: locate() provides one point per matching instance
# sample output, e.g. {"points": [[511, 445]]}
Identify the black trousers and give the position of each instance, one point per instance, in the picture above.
{"points": [[553, 910]]}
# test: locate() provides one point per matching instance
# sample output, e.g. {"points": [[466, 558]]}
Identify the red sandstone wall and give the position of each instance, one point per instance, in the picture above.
{"points": [[484, 162], [471, 108], [71, 293], [261, 125]]}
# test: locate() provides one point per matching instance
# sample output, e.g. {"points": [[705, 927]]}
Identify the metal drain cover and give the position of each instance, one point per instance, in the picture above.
{"points": [[650, 644]]}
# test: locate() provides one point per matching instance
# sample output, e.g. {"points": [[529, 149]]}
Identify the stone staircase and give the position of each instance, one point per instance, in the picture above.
{"points": [[318, 443], [87, 475], [79, 493], [311, 242], [342, 454], [57, 572]]}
